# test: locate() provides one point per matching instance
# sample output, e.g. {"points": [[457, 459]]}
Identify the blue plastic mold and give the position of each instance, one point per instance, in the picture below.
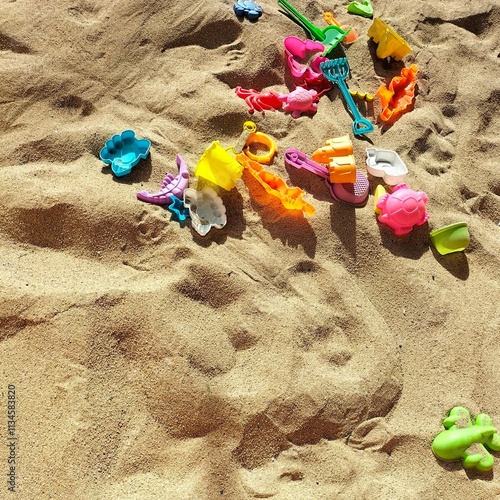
{"points": [[249, 9], [179, 212], [124, 151]]}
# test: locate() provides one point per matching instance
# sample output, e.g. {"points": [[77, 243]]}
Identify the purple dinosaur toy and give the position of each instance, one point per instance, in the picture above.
{"points": [[171, 186]]}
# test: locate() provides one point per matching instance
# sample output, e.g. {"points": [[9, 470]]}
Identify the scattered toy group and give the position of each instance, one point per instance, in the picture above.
{"points": [[316, 76], [396, 205]]}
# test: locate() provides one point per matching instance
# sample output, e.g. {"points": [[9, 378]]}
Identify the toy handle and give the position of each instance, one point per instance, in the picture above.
{"points": [[302, 21], [329, 19], [298, 159], [360, 125], [249, 127]]}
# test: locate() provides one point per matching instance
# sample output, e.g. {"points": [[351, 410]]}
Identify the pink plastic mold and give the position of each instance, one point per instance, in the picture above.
{"points": [[298, 50], [403, 209]]}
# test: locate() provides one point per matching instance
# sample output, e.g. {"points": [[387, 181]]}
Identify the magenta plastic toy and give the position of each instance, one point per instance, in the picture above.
{"points": [[298, 159], [310, 74], [300, 101], [260, 101], [171, 186], [402, 209], [355, 194]]}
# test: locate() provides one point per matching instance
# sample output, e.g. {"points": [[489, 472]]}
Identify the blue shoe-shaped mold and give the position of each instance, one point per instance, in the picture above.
{"points": [[124, 151]]}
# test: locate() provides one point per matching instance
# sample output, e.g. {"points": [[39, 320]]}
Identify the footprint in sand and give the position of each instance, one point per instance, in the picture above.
{"points": [[435, 145], [82, 15], [11, 44], [151, 227]]}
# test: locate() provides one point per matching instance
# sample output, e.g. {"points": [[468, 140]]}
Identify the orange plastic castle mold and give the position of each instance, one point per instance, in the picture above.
{"points": [[338, 155], [397, 98]]}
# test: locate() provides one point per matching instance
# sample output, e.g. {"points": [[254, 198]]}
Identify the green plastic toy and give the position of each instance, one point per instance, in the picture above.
{"points": [[363, 8], [330, 36], [451, 238], [463, 440]]}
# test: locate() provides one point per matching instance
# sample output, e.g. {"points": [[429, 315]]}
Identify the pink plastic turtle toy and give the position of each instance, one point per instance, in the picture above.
{"points": [[402, 209], [300, 101]]}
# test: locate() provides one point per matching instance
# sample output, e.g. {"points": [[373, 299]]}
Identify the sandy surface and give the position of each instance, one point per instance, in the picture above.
{"points": [[284, 356]]}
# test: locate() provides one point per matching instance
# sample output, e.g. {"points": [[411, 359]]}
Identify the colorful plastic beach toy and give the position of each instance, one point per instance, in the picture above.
{"points": [[264, 145], [351, 36], [179, 211], [403, 209], [465, 441], [249, 9], [260, 101], [298, 53], [249, 127], [334, 148], [300, 101], [363, 8], [398, 97], [124, 151], [219, 167], [386, 164], [451, 238], [377, 194], [338, 155], [337, 71], [298, 159], [330, 36], [364, 96], [389, 42], [291, 198], [353, 194], [171, 186], [206, 209]]}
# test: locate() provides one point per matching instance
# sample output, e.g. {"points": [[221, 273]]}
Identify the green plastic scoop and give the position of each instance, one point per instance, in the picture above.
{"points": [[330, 36], [363, 8]]}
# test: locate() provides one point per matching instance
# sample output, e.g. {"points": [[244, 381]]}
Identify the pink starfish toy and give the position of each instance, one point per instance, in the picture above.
{"points": [[171, 186]]}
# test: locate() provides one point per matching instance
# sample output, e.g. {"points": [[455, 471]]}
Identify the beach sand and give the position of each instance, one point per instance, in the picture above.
{"points": [[283, 356]]}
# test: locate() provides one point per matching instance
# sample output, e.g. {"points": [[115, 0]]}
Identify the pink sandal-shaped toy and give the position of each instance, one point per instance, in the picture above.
{"points": [[171, 186], [309, 74]]}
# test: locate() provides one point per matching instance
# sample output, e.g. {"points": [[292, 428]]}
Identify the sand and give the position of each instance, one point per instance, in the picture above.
{"points": [[283, 356]]}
